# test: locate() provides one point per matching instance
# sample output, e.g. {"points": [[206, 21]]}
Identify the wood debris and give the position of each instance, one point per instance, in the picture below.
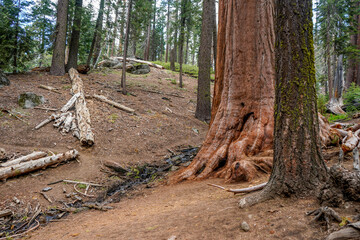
{"points": [[115, 104], [52, 89], [32, 165]]}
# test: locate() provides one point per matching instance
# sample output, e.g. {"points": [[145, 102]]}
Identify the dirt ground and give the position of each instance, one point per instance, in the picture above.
{"points": [[164, 122]]}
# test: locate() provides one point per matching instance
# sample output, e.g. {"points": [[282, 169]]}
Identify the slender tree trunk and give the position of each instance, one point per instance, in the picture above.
{"points": [[126, 42], [328, 56], [203, 104], [242, 111], [187, 45], [58, 58], [176, 32], [15, 53], [116, 26], [75, 37], [167, 32], [182, 38], [299, 167], [214, 37], [153, 44], [97, 32], [147, 49], [351, 66]]}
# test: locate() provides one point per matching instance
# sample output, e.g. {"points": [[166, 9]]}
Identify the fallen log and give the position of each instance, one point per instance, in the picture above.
{"points": [[52, 89], [82, 112], [115, 104], [70, 103], [25, 167], [350, 231], [140, 61], [29, 157]]}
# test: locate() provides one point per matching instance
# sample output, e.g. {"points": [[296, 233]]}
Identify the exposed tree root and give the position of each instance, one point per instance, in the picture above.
{"points": [[343, 185], [325, 213]]}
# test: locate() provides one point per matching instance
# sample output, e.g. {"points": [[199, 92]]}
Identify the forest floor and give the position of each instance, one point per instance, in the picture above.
{"points": [[163, 123]]}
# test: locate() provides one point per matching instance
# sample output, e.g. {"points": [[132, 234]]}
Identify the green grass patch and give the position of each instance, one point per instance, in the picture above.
{"points": [[334, 118], [113, 117]]}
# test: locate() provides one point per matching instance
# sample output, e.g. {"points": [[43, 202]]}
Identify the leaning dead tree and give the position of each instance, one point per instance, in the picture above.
{"points": [[242, 114]]}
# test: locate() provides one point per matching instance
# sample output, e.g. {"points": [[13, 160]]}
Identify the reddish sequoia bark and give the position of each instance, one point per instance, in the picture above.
{"points": [[242, 115]]}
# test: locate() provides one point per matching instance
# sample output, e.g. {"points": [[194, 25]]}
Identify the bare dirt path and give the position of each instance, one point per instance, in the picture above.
{"points": [[190, 210]]}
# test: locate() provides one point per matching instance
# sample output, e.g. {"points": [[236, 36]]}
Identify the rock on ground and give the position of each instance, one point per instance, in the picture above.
{"points": [[3, 80], [30, 100], [139, 69]]}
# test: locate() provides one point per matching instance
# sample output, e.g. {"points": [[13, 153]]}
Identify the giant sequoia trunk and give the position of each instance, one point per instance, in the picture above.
{"points": [[298, 164], [242, 114], [58, 58]]}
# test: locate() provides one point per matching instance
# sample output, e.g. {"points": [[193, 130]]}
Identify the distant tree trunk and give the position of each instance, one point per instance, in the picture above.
{"points": [[172, 59], [116, 25], [75, 37], [187, 44], [299, 167], [214, 37], [167, 32], [182, 38], [176, 30], [147, 48], [203, 104], [15, 53], [335, 102], [328, 56], [97, 33], [58, 58], [153, 44], [126, 42], [242, 120], [122, 23]]}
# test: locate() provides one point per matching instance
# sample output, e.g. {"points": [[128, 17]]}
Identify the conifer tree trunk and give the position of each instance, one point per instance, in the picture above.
{"points": [[126, 42], [58, 58], [242, 111], [116, 26], [97, 33], [203, 104], [298, 163], [167, 32], [181, 38], [75, 37]]}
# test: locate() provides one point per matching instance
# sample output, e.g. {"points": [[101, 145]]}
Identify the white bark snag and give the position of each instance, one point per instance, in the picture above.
{"points": [[115, 104], [31, 156], [140, 61], [70, 103], [33, 165], [82, 112], [356, 159]]}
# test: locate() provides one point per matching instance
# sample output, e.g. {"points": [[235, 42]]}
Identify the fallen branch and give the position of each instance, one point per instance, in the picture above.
{"points": [[115, 104], [21, 234], [86, 195], [31, 156], [70, 103], [241, 190], [5, 213], [82, 112], [52, 89], [46, 197], [22, 168], [46, 109], [46, 121], [85, 183]]}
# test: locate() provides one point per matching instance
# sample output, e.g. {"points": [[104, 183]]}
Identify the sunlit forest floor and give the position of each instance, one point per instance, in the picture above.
{"points": [[164, 123]]}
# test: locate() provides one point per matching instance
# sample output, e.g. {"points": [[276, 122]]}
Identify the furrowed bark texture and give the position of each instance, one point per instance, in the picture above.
{"points": [[242, 114], [298, 166], [58, 59]]}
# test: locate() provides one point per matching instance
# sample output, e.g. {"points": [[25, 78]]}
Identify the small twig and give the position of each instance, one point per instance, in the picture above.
{"points": [[87, 189], [47, 109], [52, 183], [242, 190], [46, 197], [86, 183], [33, 217], [81, 192]]}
